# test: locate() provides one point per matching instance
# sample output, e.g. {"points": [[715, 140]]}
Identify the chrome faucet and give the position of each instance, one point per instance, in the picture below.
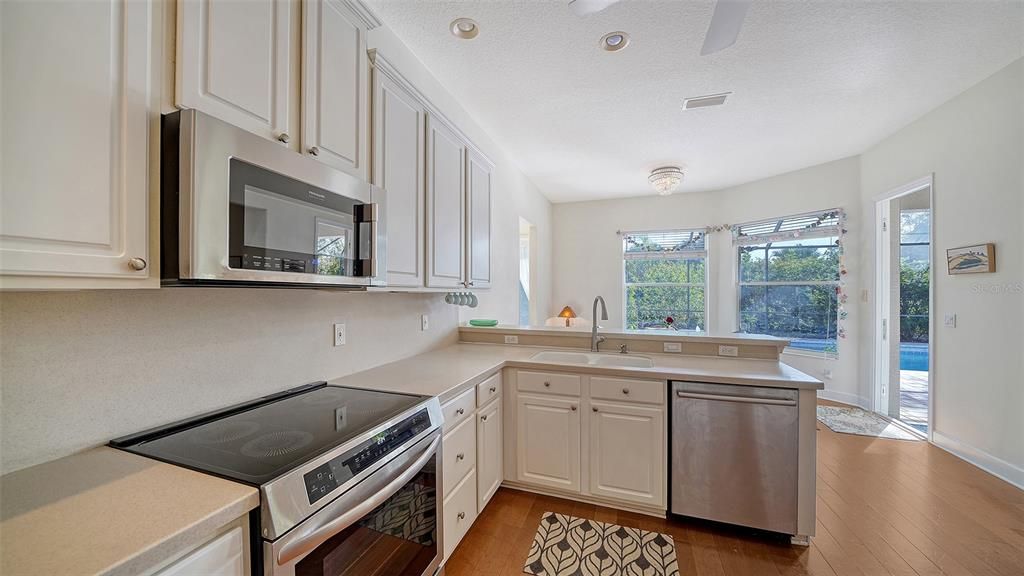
{"points": [[595, 339]]}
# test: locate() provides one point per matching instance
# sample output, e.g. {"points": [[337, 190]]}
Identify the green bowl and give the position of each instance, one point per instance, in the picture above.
{"points": [[482, 322]]}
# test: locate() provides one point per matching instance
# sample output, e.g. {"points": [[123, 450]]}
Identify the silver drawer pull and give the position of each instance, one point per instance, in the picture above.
{"points": [[625, 391], [573, 408], [494, 389], [460, 411], [547, 384], [483, 418], [462, 515], [460, 456], [594, 408], [740, 399]]}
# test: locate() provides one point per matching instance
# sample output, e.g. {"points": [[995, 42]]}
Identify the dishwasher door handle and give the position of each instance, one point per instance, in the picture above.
{"points": [[740, 399]]}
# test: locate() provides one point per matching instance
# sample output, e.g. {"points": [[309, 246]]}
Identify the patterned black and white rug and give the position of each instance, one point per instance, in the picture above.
{"points": [[570, 546]]}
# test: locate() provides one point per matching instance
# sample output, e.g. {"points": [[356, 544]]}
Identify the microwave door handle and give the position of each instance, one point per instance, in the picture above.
{"points": [[307, 543]]}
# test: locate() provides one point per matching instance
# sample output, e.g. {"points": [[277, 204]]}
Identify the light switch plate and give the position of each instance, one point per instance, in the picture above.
{"points": [[728, 351], [949, 320], [510, 339], [339, 334], [424, 322], [672, 346]]}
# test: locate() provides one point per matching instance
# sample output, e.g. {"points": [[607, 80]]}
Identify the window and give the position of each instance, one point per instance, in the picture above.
{"points": [[665, 280], [789, 278]]}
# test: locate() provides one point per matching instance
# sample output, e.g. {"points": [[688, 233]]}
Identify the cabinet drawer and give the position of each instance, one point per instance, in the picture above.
{"points": [[627, 390], [488, 390], [459, 512], [458, 454], [548, 382], [459, 409]]}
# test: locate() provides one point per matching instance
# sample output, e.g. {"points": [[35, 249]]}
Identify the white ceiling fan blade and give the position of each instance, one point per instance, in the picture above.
{"points": [[725, 25], [584, 7]]}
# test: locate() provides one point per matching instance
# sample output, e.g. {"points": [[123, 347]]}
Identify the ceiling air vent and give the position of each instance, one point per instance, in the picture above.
{"points": [[703, 101]]}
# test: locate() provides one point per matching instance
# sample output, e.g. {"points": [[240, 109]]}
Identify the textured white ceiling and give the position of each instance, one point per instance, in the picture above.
{"points": [[812, 82]]}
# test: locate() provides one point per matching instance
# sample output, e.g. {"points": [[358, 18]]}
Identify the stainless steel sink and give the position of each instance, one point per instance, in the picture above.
{"points": [[592, 359]]}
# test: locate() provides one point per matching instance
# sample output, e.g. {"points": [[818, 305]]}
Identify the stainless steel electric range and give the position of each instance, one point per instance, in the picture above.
{"points": [[349, 479]]}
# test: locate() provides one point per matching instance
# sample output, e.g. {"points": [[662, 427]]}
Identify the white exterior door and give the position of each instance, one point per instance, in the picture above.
{"points": [[489, 452], [627, 452], [335, 77], [445, 206], [548, 441], [234, 63], [479, 187], [399, 127], [80, 110]]}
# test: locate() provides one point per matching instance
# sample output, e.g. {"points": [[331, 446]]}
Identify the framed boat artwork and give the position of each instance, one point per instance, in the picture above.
{"points": [[971, 259]]}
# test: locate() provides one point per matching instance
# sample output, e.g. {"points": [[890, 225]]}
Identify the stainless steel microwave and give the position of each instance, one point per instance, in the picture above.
{"points": [[237, 209]]}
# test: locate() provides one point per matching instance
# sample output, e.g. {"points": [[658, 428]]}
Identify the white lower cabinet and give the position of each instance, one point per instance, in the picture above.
{"points": [[627, 452], [621, 458], [459, 511], [548, 441], [489, 452], [223, 556]]}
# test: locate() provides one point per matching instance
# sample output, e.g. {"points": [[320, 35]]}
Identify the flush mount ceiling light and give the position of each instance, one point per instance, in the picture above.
{"points": [[614, 41], [665, 179], [465, 28]]}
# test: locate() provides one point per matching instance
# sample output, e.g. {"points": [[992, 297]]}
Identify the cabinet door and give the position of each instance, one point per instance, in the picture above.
{"points": [[627, 452], [80, 135], [548, 441], [478, 194], [335, 73], [445, 206], [489, 452], [398, 140], [234, 62]]}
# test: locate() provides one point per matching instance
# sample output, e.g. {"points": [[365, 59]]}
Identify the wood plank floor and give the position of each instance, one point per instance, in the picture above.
{"points": [[885, 507]]}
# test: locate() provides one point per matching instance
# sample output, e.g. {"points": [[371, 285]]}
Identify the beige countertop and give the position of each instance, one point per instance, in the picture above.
{"points": [[448, 371], [105, 511], [727, 338]]}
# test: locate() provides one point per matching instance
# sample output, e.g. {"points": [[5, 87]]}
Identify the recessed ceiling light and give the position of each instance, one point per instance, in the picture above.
{"points": [[465, 28], [614, 41]]}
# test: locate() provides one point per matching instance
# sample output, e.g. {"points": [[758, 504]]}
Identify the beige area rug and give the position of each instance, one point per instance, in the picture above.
{"points": [[861, 422], [571, 546]]}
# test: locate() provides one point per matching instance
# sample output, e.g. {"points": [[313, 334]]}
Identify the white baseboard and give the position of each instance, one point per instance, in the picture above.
{"points": [[845, 398], [996, 466]]}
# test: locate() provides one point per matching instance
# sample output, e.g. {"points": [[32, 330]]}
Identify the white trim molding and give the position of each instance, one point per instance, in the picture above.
{"points": [[996, 466], [845, 398]]}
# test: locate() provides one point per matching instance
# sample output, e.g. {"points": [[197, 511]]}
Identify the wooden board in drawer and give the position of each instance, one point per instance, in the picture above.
{"points": [[459, 512], [458, 454], [460, 408], [628, 390], [488, 390], [548, 382]]}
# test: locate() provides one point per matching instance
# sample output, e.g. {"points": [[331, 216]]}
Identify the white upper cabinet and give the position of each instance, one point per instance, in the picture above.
{"points": [[335, 93], [79, 105], [445, 206], [478, 194], [235, 63], [399, 128]]}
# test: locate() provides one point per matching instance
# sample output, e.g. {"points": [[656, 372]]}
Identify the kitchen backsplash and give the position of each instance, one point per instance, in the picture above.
{"points": [[80, 368]]}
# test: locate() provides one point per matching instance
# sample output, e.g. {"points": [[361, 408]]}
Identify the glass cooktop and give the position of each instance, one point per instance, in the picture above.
{"points": [[260, 443]]}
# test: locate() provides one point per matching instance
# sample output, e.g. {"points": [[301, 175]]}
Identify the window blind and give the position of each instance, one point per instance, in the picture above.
{"points": [[664, 244], [810, 225]]}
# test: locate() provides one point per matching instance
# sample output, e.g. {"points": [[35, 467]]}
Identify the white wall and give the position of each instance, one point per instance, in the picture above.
{"points": [[973, 145], [514, 195], [588, 252]]}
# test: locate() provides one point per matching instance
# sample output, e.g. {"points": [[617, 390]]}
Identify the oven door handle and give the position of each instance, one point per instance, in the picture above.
{"points": [[304, 543]]}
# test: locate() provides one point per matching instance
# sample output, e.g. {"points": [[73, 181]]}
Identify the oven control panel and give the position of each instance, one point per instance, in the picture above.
{"points": [[323, 479]]}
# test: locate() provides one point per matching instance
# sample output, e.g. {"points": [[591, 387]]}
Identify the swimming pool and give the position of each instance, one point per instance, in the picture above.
{"points": [[913, 355]]}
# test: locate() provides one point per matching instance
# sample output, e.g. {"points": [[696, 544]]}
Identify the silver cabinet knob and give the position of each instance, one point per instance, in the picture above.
{"points": [[470, 283], [462, 515], [494, 389], [547, 384], [594, 409], [314, 150], [283, 138], [137, 264], [460, 456], [625, 390], [573, 408], [460, 411], [483, 418]]}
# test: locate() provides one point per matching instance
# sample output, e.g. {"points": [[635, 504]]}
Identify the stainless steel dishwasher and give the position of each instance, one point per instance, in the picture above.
{"points": [[734, 454]]}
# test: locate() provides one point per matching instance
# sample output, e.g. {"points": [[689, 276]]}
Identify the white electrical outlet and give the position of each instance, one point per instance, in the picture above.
{"points": [[424, 322], [672, 346], [728, 351], [949, 320], [339, 334], [827, 373], [509, 339]]}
